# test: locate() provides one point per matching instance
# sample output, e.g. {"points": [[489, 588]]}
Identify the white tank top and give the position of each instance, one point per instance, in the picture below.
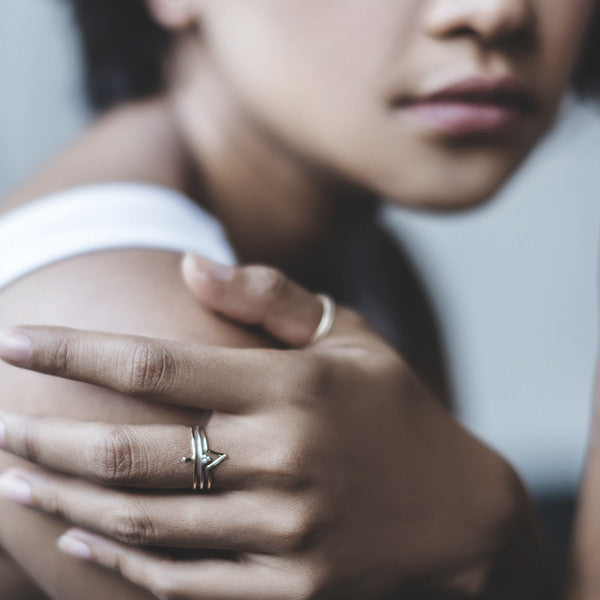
{"points": [[105, 217]]}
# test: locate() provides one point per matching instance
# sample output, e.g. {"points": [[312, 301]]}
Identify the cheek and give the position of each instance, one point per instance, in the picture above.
{"points": [[305, 60], [315, 74], [562, 28]]}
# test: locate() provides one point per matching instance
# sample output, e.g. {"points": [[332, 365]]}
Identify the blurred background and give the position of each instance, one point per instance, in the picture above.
{"points": [[514, 282]]}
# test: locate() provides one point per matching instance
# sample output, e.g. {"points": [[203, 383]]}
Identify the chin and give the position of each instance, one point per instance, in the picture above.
{"points": [[445, 200], [456, 200], [448, 188]]}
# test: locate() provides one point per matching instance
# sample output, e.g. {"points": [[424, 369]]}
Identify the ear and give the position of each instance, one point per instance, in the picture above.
{"points": [[173, 14]]}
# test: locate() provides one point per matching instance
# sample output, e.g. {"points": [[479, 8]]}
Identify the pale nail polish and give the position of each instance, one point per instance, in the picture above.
{"points": [[15, 488], [209, 268], [15, 347], [71, 545]]}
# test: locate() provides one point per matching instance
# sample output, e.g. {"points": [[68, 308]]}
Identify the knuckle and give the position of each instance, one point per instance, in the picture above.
{"points": [[288, 461], [272, 284], [148, 573], [132, 525], [148, 368], [61, 356], [284, 465], [352, 319], [317, 379], [113, 456], [282, 389], [55, 504], [391, 367], [313, 584], [28, 444], [164, 587], [293, 530]]}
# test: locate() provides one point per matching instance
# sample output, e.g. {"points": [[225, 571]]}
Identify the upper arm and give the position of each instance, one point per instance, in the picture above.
{"points": [[15, 584], [128, 291]]}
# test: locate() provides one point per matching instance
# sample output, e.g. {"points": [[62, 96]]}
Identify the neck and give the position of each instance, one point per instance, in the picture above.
{"points": [[274, 203]]}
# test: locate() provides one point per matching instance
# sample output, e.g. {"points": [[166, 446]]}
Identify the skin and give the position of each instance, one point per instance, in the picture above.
{"points": [[232, 108], [351, 131], [159, 306], [584, 581], [258, 137], [305, 545]]}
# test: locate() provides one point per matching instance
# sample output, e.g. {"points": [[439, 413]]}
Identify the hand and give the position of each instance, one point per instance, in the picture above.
{"points": [[583, 582], [343, 478]]}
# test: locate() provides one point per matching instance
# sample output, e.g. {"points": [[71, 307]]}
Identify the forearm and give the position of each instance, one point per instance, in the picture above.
{"points": [[135, 292], [584, 574]]}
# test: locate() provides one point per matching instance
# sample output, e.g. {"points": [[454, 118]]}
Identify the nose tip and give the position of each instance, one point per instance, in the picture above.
{"points": [[491, 21]]}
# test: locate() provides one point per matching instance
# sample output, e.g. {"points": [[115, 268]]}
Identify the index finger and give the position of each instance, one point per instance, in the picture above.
{"points": [[195, 375]]}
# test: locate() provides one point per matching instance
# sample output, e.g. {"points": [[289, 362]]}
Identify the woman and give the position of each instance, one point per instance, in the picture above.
{"points": [[423, 103]]}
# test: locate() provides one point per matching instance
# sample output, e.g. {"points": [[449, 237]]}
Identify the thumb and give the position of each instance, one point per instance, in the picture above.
{"points": [[260, 295]]}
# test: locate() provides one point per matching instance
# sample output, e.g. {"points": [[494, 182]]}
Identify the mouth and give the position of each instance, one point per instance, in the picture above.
{"points": [[473, 107]]}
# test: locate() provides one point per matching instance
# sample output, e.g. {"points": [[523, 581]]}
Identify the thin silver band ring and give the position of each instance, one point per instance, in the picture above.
{"points": [[327, 319], [203, 460]]}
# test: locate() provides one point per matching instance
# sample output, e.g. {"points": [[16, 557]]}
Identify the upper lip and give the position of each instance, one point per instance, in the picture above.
{"points": [[509, 92]]}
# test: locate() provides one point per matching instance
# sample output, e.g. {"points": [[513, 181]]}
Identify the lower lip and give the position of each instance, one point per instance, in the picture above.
{"points": [[462, 119]]}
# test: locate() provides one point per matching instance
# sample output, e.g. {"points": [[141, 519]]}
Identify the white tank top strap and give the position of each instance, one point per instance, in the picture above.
{"points": [[105, 217]]}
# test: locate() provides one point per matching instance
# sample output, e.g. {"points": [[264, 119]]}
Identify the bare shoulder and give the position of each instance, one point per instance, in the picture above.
{"points": [[130, 291], [140, 292]]}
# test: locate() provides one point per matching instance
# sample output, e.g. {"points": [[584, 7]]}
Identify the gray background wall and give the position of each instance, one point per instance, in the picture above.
{"points": [[515, 282], [40, 92]]}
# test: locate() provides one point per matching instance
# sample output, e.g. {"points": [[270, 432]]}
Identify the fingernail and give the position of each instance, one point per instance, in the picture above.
{"points": [[73, 546], [15, 347], [213, 270], [15, 488], [2, 433]]}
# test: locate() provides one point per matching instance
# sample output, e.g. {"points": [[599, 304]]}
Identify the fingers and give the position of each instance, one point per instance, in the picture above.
{"points": [[256, 295], [229, 521], [149, 456], [209, 579], [212, 378], [234, 521]]}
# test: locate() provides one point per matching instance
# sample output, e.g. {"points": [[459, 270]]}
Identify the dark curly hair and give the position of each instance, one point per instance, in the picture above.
{"points": [[124, 52], [587, 75], [123, 49]]}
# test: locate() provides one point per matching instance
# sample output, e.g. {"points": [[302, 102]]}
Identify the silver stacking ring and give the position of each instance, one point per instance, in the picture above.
{"points": [[203, 460], [327, 319]]}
